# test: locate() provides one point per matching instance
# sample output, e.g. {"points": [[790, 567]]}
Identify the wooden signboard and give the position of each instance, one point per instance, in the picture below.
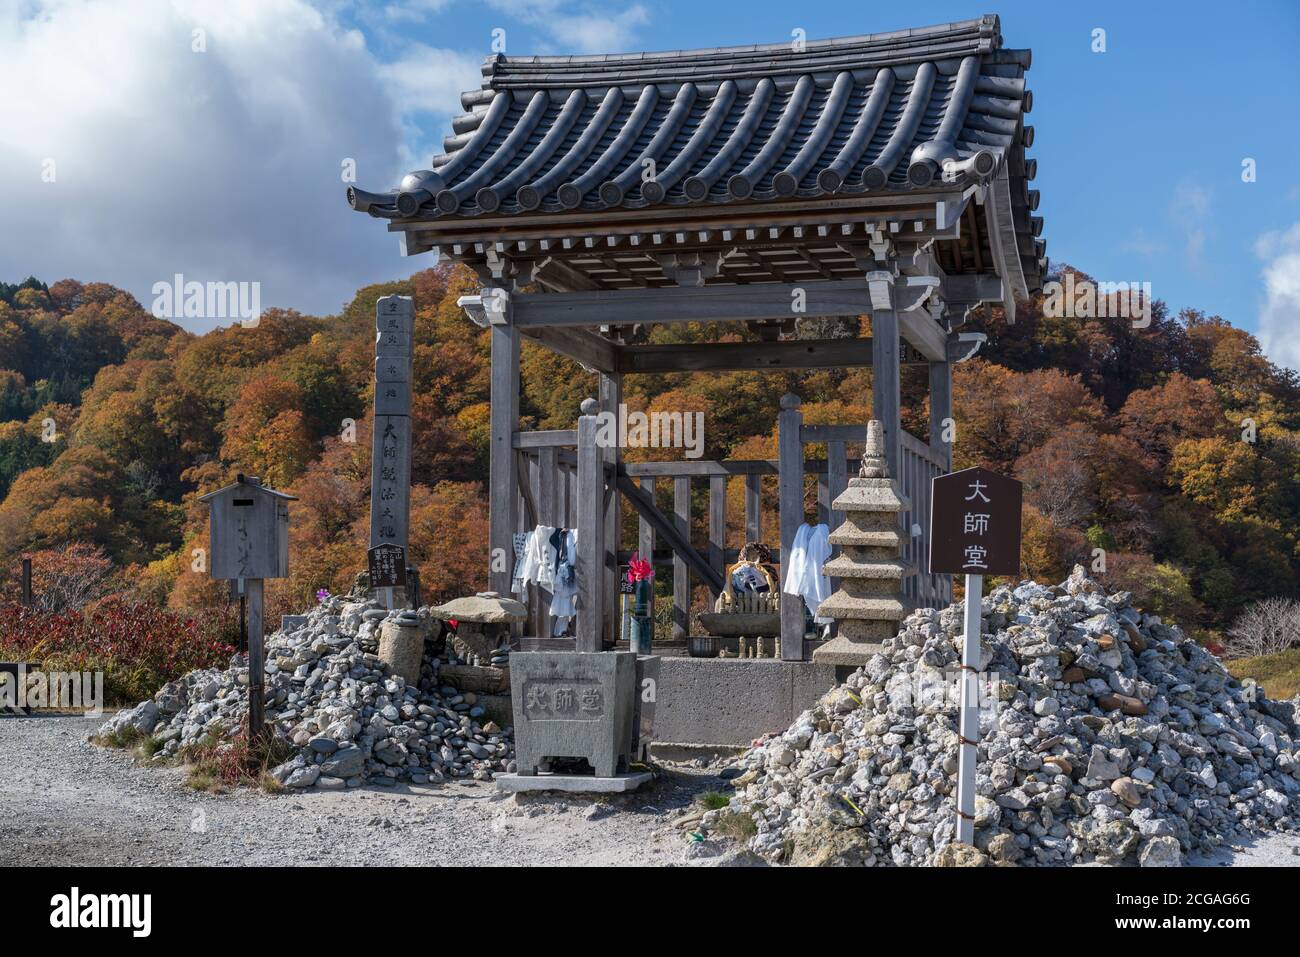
{"points": [[974, 531], [387, 564], [248, 542], [975, 524]]}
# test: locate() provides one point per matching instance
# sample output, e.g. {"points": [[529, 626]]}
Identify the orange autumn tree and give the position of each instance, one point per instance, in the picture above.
{"points": [[266, 432]]}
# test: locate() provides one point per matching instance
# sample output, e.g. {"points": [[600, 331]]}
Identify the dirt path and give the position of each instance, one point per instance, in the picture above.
{"points": [[65, 801]]}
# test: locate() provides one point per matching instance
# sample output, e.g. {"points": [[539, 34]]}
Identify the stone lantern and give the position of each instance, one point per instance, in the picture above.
{"points": [[868, 605]]}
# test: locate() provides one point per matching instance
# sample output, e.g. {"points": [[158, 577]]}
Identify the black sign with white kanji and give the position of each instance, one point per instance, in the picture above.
{"points": [[975, 524], [387, 566]]}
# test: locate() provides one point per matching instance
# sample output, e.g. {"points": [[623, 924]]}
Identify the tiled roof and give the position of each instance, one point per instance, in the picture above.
{"points": [[887, 112]]}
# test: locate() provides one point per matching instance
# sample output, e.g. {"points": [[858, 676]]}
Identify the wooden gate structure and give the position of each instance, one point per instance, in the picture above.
{"points": [[598, 197]]}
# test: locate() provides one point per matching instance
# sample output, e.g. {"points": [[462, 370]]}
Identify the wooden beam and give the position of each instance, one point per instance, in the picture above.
{"points": [[729, 356], [546, 439], [832, 433], [975, 287], [561, 277], [722, 303], [927, 336], [667, 530], [700, 467], [588, 349]]}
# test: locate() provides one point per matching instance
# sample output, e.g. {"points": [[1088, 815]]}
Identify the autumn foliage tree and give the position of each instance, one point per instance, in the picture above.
{"points": [[1165, 455]]}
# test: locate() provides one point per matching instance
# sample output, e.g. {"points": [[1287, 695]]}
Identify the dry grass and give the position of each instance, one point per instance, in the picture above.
{"points": [[1278, 675], [219, 763], [732, 824]]}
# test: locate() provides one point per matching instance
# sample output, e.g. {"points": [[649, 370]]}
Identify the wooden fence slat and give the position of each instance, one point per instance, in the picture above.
{"points": [[646, 535], [753, 508], [681, 574], [718, 524], [790, 455]]}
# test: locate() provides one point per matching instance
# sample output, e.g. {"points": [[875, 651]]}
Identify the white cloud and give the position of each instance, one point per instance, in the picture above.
{"points": [[225, 165], [599, 33], [578, 28], [427, 81], [1190, 210], [1279, 317], [1142, 244], [221, 165]]}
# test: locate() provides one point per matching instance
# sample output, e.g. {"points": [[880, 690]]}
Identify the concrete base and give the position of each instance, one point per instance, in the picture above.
{"points": [[718, 704], [572, 783], [731, 701]]}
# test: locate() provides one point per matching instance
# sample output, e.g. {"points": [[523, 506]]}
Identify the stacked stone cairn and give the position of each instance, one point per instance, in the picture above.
{"points": [[868, 604], [351, 719], [1107, 737], [482, 627]]}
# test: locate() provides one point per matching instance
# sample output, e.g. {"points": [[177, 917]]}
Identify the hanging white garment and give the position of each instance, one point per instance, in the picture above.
{"points": [[808, 556], [549, 561], [518, 583], [564, 590], [530, 573]]}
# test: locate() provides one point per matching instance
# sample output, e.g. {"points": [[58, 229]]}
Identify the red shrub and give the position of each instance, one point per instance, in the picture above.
{"points": [[139, 647]]}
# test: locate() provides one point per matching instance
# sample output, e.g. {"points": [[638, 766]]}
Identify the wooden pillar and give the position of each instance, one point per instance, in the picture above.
{"points": [[718, 525], [256, 658], [940, 409], [885, 378], [646, 537], [681, 573], [610, 398], [837, 480], [503, 487], [591, 532], [790, 497]]}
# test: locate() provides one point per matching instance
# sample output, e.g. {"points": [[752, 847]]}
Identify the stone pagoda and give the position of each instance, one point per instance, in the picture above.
{"points": [[868, 605]]}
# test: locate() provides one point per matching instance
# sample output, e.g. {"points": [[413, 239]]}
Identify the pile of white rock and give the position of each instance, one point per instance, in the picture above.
{"points": [[1106, 737], [350, 719]]}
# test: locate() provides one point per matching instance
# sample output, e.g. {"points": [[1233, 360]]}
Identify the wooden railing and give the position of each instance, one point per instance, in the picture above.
{"points": [[919, 465], [552, 491]]}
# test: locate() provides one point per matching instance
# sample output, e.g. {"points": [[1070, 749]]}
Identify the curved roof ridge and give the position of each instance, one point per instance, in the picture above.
{"points": [[955, 39]]}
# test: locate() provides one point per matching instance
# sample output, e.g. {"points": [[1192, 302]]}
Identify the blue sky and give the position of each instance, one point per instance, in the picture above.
{"points": [[1140, 147]]}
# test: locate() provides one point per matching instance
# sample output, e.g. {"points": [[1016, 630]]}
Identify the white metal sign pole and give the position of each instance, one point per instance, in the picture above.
{"points": [[969, 729]]}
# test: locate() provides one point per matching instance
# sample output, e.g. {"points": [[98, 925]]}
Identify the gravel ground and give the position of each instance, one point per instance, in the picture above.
{"points": [[64, 801]]}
